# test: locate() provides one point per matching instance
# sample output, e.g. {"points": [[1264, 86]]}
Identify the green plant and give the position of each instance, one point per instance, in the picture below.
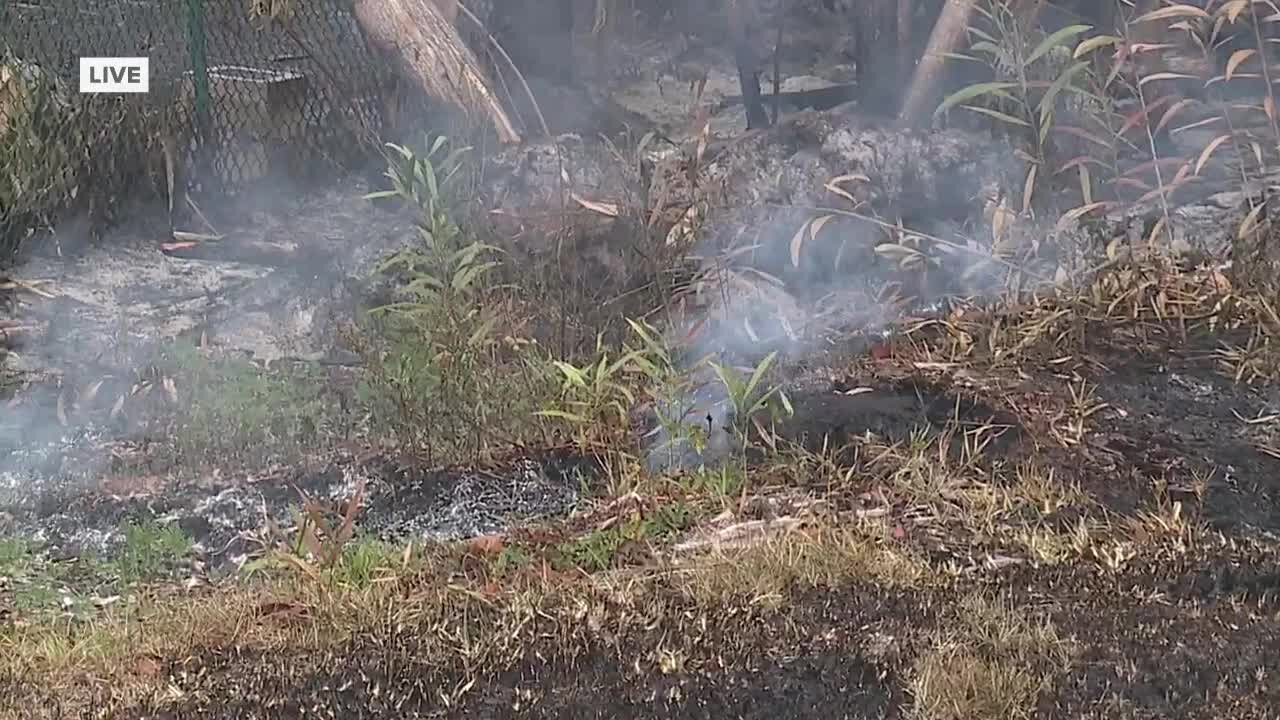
{"points": [[667, 386], [595, 550], [232, 409], [1028, 82], [364, 560], [439, 383], [594, 398], [510, 558], [668, 520], [747, 398], [722, 481], [150, 550], [428, 183]]}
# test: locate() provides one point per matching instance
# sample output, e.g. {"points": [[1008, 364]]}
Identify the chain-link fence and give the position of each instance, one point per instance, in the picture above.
{"points": [[241, 91]]}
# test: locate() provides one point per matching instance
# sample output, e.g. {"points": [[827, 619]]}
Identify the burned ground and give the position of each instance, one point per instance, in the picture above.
{"points": [[1055, 502], [1175, 614]]}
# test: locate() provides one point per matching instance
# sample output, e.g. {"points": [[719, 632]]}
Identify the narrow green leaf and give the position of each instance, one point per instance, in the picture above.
{"points": [[1056, 39], [998, 115], [760, 370], [973, 91]]}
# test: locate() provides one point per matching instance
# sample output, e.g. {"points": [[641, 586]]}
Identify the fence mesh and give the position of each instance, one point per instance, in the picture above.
{"points": [[241, 91]]}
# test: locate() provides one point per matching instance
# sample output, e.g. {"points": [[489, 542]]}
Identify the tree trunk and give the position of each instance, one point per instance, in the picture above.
{"points": [[906, 39], [745, 22], [948, 32], [428, 52], [878, 62]]}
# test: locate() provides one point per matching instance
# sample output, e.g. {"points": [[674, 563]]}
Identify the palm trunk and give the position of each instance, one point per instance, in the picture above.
{"points": [[948, 33], [428, 51]]}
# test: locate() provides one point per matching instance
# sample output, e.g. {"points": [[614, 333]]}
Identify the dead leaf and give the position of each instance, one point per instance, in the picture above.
{"points": [[146, 667], [833, 185], [810, 230], [281, 610], [91, 392], [1208, 150], [1237, 58], [486, 545], [606, 209], [1173, 11]]}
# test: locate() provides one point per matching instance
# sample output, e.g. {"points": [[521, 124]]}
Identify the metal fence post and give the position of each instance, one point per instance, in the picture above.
{"points": [[196, 47]]}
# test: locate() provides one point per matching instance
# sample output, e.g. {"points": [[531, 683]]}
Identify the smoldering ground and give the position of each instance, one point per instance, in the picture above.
{"points": [[803, 227], [1001, 579]]}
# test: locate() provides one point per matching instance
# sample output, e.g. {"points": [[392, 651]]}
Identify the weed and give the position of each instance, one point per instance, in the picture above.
{"points": [[439, 382], [364, 561], [748, 397], [595, 550], [722, 481], [668, 520], [232, 409], [597, 399], [150, 550], [427, 183], [1029, 79], [15, 553], [510, 558], [594, 398]]}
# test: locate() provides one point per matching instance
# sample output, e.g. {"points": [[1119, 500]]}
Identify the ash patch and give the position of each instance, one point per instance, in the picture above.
{"points": [[443, 505], [69, 516], [285, 273], [228, 523]]}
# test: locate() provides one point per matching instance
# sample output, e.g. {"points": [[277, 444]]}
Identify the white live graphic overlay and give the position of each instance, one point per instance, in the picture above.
{"points": [[115, 74]]}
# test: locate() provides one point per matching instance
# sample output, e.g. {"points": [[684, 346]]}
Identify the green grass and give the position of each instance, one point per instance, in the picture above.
{"points": [[231, 409], [598, 549], [148, 553]]}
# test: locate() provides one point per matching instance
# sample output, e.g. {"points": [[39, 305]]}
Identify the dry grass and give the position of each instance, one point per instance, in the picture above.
{"points": [[456, 623], [990, 661]]}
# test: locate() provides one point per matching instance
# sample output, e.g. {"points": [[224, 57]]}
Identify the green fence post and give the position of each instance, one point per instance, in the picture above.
{"points": [[200, 86], [199, 63]]}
